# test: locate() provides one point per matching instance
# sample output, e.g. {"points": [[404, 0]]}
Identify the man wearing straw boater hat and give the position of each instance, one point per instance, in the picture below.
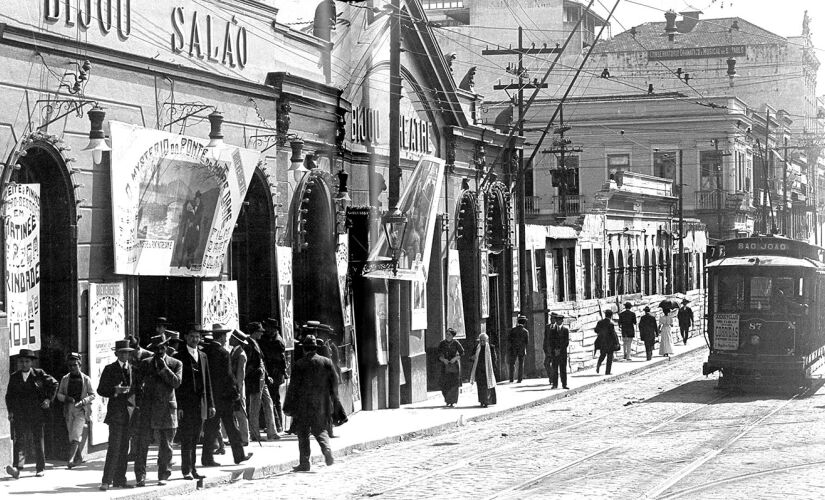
{"points": [[28, 396], [118, 384], [160, 376], [226, 395]]}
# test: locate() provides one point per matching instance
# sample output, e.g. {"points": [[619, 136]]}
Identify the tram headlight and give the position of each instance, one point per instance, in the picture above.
{"points": [[754, 340]]}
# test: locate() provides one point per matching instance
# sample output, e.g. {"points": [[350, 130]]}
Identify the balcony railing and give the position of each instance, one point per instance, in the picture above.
{"points": [[569, 205], [537, 205], [716, 199]]}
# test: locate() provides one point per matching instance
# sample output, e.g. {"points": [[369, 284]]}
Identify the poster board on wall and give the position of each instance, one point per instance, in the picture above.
{"points": [[455, 301], [107, 310], [22, 223], [284, 258], [174, 202], [342, 264], [418, 305], [419, 202], [219, 303]]}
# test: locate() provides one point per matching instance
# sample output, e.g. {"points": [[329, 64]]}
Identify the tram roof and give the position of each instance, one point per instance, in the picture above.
{"points": [[766, 261]]}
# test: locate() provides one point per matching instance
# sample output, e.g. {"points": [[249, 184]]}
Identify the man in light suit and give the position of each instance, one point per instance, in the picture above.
{"points": [[160, 375], [118, 384], [195, 401]]}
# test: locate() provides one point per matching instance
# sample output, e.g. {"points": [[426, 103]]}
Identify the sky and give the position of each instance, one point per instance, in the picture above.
{"points": [[782, 18]]}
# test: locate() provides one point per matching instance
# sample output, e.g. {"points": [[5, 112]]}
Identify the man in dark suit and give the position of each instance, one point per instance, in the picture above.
{"points": [[309, 400], [160, 375], [648, 330], [227, 398], [28, 396], [194, 395], [118, 385], [518, 340], [627, 325], [685, 317], [559, 340], [274, 351]]}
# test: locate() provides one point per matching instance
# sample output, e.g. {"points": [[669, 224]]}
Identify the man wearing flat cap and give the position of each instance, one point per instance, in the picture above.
{"points": [[226, 396], [556, 340], [195, 399], [29, 394], [76, 393], [648, 330], [160, 375], [118, 384], [518, 341], [309, 401]]}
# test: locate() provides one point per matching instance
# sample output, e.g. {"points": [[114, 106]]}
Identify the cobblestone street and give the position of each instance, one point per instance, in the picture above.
{"points": [[663, 433]]}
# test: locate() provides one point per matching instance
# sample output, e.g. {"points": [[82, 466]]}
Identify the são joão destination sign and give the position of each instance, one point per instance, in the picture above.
{"points": [[174, 202]]}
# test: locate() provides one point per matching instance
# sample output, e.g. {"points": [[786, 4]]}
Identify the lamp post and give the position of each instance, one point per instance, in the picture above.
{"points": [[97, 139], [394, 286]]}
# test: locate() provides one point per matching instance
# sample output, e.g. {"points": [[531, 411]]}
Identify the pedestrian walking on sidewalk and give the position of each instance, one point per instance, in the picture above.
{"points": [[518, 340], [195, 400], [484, 359], [274, 351], [685, 317], [449, 354], [160, 375], [309, 401], [627, 325], [557, 338], [665, 341], [648, 330], [237, 359], [118, 384], [257, 388], [29, 396], [226, 397], [607, 342], [76, 393]]}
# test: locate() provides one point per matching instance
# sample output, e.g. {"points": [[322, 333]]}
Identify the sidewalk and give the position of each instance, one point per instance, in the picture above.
{"points": [[365, 430]]}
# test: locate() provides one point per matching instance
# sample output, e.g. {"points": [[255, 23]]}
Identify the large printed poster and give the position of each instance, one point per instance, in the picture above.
{"points": [[419, 203], [219, 303], [106, 325], [22, 225], [342, 263], [455, 301], [418, 297], [284, 256], [174, 203]]}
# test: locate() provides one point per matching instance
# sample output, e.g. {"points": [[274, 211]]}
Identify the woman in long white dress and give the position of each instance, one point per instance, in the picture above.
{"points": [[665, 342]]}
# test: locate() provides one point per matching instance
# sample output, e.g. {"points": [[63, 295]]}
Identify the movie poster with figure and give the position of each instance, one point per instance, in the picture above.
{"points": [[418, 298], [174, 202], [342, 263], [381, 333], [455, 302], [107, 310], [219, 303], [21, 203], [419, 202], [284, 256]]}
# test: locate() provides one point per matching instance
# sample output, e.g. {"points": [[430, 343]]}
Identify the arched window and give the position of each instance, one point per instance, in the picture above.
{"points": [[611, 274], [661, 269], [620, 275], [646, 271], [638, 272]]}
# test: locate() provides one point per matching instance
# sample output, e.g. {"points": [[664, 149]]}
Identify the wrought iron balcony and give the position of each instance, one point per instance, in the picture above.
{"points": [[720, 199], [569, 205]]}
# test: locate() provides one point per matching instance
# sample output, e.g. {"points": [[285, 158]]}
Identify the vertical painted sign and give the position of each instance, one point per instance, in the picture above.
{"points": [[284, 256], [342, 262], [22, 225], [106, 325], [485, 286], [219, 303], [516, 278]]}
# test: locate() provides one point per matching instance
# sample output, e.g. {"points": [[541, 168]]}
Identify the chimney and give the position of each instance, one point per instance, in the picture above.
{"points": [[689, 20]]}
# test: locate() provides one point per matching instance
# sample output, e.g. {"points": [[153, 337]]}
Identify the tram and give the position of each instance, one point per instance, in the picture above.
{"points": [[766, 312]]}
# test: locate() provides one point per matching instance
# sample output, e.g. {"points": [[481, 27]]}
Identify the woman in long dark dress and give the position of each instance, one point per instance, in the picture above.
{"points": [[483, 361], [449, 354]]}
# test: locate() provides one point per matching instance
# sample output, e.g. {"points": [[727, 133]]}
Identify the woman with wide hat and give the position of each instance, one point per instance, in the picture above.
{"points": [[28, 397]]}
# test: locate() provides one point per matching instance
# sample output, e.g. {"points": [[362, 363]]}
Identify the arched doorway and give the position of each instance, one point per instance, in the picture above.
{"points": [[253, 258], [43, 164], [638, 272], [646, 271], [313, 241], [611, 274], [620, 274], [498, 241]]}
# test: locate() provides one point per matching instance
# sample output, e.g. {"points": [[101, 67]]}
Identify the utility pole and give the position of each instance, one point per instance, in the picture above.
{"points": [[521, 197], [682, 267], [561, 175], [785, 193], [717, 166], [767, 169], [394, 285]]}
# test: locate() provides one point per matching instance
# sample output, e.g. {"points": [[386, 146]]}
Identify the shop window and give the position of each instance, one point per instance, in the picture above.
{"points": [[598, 273], [571, 163], [571, 273], [588, 274], [541, 276]]}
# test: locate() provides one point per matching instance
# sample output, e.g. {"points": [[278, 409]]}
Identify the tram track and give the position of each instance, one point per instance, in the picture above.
{"points": [[547, 436]]}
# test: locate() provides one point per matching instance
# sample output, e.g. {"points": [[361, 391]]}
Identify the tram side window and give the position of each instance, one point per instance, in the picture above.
{"points": [[730, 293]]}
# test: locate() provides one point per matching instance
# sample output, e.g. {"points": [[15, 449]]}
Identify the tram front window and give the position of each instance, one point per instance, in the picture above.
{"points": [[774, 294]]}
